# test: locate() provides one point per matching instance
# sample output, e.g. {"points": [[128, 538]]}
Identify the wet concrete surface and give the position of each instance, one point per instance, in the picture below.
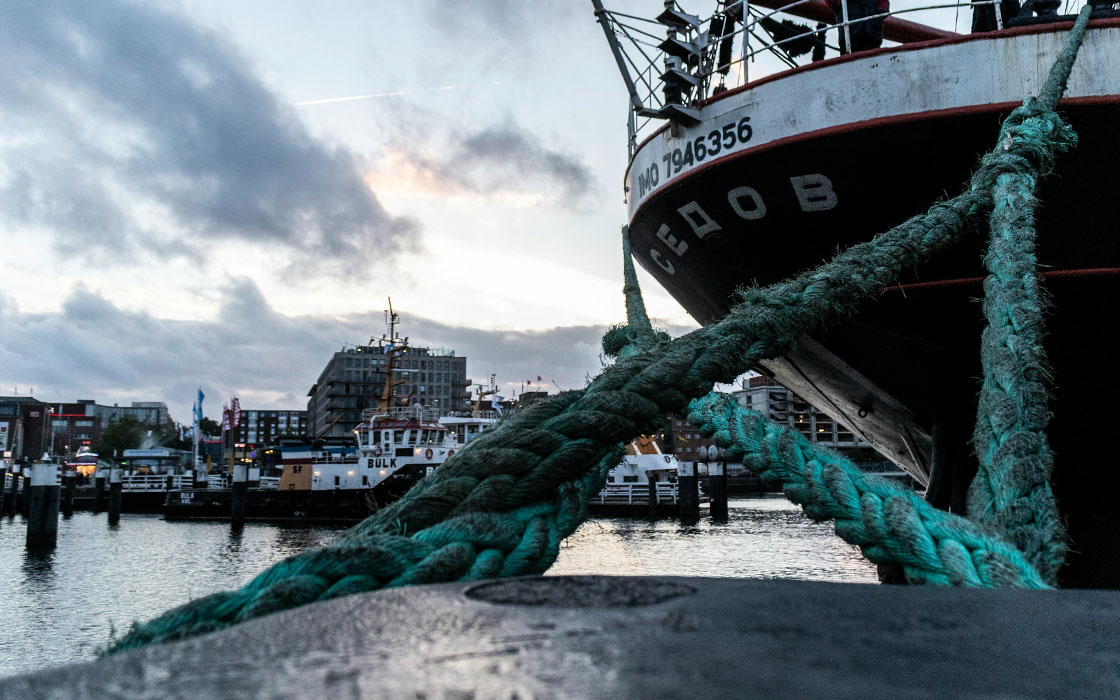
{"points": [[634, 637]]}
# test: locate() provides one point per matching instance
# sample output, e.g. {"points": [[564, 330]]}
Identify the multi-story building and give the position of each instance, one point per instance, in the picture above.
{"points": [[261, 428], [354, 380], [781, 406], [35, 427]]}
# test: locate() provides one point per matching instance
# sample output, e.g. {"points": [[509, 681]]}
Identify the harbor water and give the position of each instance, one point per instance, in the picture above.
{"points": [[60, 607]]}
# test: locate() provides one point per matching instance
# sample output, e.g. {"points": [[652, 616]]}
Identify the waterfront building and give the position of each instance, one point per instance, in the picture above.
{"points": [[29, 427], [354, 380], [261, 428], [783, 407]]}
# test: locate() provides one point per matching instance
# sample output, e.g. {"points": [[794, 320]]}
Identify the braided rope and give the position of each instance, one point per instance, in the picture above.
{"points": [[889, 523], [501, 505], [1011, 491]]}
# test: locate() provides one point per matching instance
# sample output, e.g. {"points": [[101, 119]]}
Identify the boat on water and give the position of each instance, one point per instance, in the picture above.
{"points": [[645, 482], [739, 177]]}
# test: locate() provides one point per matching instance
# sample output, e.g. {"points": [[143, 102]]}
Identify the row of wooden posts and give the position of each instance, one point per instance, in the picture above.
{"points": [[688, 492], [41, 496]]}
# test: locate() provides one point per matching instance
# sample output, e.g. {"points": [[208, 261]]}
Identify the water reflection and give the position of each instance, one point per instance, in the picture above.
{"points": [[38, 571]]}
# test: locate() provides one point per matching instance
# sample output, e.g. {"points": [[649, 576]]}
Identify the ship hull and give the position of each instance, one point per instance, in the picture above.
{"points": [[838, 168]]}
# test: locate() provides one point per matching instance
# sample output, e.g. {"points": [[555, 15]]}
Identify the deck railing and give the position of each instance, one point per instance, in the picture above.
{"points": [[712, 54], [636, 494]]}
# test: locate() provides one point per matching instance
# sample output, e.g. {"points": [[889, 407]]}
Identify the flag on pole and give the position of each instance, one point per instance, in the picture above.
{"points": [[225, 418], [496, 403], [235, 409], [198, 406]]}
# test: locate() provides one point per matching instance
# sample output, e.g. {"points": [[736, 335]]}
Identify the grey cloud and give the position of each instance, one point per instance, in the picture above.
{"points": [[97, 350], [506, 158], [499, 26], [109, 104]]}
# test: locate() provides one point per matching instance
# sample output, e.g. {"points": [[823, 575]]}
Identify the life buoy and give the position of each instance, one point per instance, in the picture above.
{"points": [[428, 453], [377, 450], [451, 452], [667, 458]]}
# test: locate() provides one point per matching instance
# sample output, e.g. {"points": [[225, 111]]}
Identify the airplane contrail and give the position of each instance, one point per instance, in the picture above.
{"points": [[372, 96]]}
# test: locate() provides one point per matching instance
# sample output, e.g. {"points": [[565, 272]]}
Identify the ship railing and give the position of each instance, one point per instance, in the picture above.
{"points": [[270, 482], [755, 53], [635, 494], [153, 482]]}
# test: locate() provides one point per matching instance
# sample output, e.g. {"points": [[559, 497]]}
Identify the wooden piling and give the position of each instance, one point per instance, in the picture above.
{"points": [[9, 495], [99, 491], [3, 489], [115, 485], [688, 485], [238, 491], [652, 495], [23, 492], [69, 486], [717, 491], [42, 519]]}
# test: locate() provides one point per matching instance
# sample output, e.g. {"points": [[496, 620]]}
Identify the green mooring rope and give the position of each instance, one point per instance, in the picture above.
{"points": [[501, 505]]}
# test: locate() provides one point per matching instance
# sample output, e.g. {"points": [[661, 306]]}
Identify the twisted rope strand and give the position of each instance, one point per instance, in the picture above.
{"points": [[889, 523]]}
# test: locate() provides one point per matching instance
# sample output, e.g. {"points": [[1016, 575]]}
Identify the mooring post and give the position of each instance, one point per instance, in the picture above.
{"points": [[238, 488], [115, 485], [10, 491], [652, 479], [23, 495], [688, 502], [717, 490], [98, 490], [3, 488], [69, 486], [42, 519]]}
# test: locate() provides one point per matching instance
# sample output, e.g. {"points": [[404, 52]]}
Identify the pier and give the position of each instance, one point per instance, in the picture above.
{"points": [[627, 637]]}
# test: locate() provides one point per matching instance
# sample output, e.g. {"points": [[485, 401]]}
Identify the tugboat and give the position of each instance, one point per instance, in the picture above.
{"points": [[739, 179]]}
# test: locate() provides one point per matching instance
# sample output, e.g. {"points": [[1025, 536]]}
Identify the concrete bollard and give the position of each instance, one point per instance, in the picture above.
{"points": [[99, 491], [69, 487], [42, 519], [688, 484], [717, 491], [115, 485], [238, 488]]}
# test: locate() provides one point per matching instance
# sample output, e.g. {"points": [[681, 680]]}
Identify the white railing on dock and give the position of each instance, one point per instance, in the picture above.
{"points": [[154, 482], [636, 494], [270, 482]]}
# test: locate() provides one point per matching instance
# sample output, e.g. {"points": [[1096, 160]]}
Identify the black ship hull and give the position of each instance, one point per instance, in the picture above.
{"points": [[766, 212]]}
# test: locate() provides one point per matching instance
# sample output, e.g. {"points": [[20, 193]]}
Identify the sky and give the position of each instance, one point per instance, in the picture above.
{"points": [[222, 193]]}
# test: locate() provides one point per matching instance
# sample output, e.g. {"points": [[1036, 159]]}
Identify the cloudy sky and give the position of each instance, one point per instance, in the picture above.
{"points": [[224, 192]]}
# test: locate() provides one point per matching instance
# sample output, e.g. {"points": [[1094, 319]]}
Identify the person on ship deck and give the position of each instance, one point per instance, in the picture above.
{"points": [[866, 33]]}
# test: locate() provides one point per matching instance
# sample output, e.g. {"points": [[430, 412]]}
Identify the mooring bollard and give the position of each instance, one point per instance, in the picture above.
{"points": [[238, 490], [42, 519], [69, 486], [23, 494], [717, 490], [115, 485], [99, 491], [9, 495], [688, 502]]}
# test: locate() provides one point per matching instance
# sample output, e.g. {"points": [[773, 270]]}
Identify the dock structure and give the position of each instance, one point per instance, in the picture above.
{"points": [[634, 637]]}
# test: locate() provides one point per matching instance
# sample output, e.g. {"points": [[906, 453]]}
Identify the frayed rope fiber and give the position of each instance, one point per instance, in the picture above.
{"points": [[501, 506]]}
